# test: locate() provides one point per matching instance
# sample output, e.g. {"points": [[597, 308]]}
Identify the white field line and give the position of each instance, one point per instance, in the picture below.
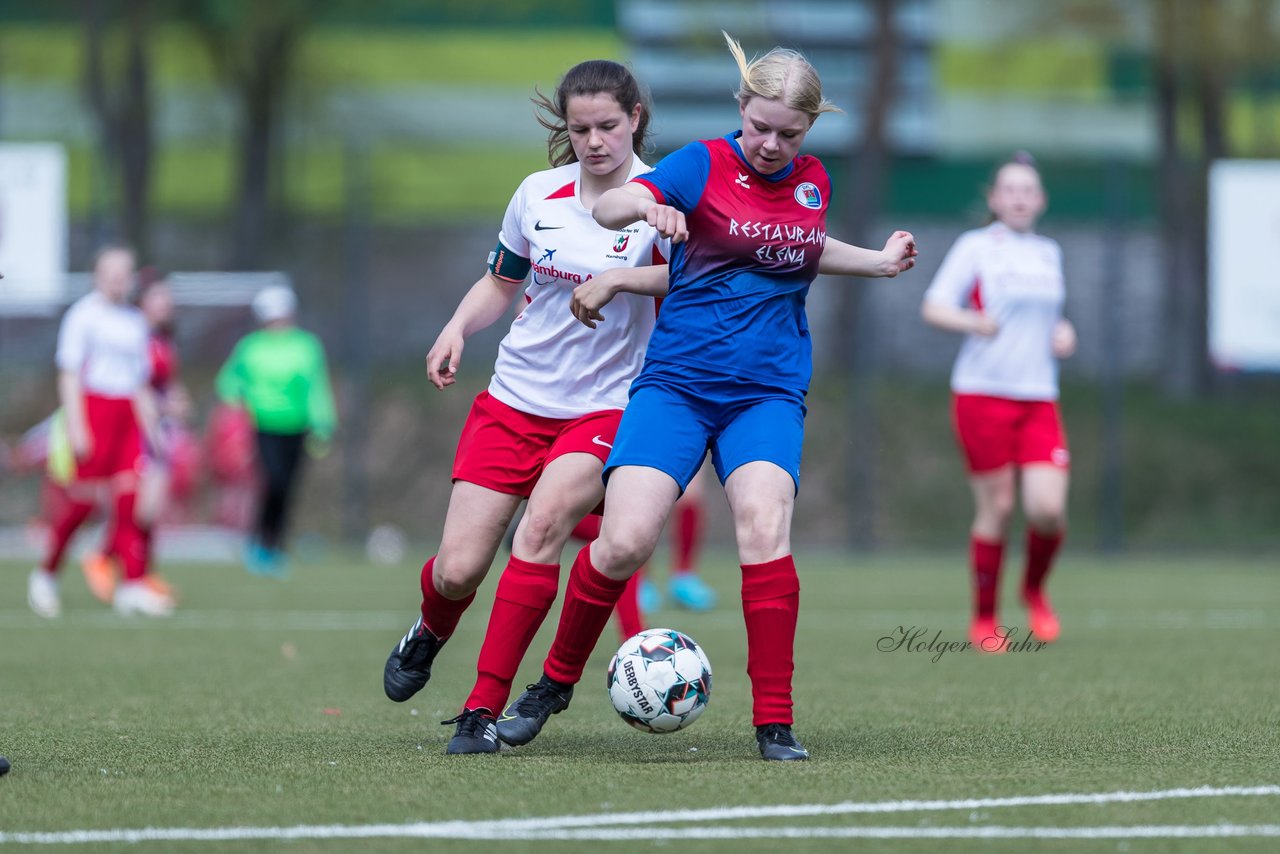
{"points": [[884, 622], [462, 830], [613, 826]]}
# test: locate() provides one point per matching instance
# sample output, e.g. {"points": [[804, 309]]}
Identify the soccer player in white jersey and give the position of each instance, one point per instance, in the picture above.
{"points": [[1002, 286], [104, 365], [544, 426]]}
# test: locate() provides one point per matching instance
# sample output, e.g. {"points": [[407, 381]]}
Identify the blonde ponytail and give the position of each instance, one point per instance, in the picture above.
{"points": [[780, 75]]}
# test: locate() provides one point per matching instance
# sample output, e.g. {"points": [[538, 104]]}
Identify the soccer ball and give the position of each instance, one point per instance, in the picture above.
{"points": [[659, 680]]}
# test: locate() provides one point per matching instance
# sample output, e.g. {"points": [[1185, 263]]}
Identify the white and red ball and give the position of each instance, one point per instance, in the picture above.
{"points": [[659, 680]]}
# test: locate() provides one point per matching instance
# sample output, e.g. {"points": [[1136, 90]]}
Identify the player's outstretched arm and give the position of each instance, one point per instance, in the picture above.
{"points": [[954, 319], [591, 296], [845, 259], [630, 203], [487, 301]]}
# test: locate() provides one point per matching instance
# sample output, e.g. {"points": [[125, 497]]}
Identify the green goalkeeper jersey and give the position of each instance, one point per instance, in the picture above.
{"points": [[280, 377]]}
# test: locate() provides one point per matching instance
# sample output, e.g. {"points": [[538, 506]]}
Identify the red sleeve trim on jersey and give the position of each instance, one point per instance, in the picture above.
{"points": [[657, 194], [658, 261], [975, 298], [565, 192]]}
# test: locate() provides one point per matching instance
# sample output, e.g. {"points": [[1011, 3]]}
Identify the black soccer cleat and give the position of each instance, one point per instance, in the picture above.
{"points": [[409, 666], [524, 719], [477, 732], [777, 743], [4, 766]]}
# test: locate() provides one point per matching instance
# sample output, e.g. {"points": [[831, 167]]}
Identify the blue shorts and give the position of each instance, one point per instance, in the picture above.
{"points": [[676, 414]]}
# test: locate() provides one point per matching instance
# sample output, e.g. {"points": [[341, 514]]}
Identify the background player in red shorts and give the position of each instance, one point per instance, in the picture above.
{"points": [[167, 481], [1003, 287], [544, 427], [103, 372]]}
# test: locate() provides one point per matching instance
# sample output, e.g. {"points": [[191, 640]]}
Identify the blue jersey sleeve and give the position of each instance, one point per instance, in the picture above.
{"points": [[680, 177]]}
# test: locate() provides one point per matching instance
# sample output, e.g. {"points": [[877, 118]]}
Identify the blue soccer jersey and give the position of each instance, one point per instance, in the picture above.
{"points": [[738, 285]]}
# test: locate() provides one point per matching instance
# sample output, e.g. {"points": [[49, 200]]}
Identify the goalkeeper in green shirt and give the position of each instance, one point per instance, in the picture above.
{"points": [[278, 375]]}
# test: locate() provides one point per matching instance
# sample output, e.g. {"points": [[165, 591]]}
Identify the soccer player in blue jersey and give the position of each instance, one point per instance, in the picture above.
{"points": [[727, 370]]}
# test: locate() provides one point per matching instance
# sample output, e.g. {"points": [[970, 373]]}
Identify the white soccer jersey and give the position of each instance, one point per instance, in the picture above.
{"points": [[105, 345], [550, 364], [1016, 279]]}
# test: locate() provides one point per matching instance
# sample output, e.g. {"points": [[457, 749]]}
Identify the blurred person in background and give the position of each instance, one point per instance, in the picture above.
{"points": [[232, 464], [167, 480], [685, 585], [279, 376], [542, 429], [109, 414], [727, 371], [1002, 286]]}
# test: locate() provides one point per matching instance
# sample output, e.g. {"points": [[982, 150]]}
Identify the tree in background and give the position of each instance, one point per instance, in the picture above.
{"points": [[118, 88], [1189, 93], [253, 46], [853, 346]]}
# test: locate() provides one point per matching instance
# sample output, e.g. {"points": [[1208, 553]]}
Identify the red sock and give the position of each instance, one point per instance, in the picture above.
{"points": [[148, 545], [770, 607], [630, 623], [128, 541], [524, 596], [588, 600], [687, 534], [71, 516], [1041, 550], [440, 615], [985, 558], [588, 529]]}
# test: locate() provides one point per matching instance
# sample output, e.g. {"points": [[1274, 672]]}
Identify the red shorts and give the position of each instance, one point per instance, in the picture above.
{"points": [[116, 438], [997, 431], [505, 450]]}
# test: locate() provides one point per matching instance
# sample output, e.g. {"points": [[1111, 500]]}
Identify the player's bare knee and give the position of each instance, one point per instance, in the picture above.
{"points": [[540, 531], [620, 557], [995, 512], [1047, 518], [456, 576], [761, 539]]}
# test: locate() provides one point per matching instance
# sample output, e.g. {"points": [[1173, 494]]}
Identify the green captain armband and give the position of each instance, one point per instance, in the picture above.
{"points": [[506, 264]]}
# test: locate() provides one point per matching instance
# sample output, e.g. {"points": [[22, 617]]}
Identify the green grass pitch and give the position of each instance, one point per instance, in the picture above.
{"points": [[260, 705]]}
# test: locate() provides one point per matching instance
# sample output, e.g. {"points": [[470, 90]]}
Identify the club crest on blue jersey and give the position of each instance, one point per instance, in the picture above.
{"points": [[808, 195]]}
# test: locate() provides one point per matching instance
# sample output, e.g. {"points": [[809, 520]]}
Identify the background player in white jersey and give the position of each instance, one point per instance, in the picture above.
{"points": [[167, 482], [544, 427], [1003, 287], [109, 411]]}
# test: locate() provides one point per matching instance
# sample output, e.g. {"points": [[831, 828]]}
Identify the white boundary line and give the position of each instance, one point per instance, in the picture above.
{"points": [[461, 830], [612, 826]]}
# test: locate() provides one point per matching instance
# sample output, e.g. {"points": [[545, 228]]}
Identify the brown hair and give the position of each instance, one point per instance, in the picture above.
{"points": [[592, 77], [1020, 157]]}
